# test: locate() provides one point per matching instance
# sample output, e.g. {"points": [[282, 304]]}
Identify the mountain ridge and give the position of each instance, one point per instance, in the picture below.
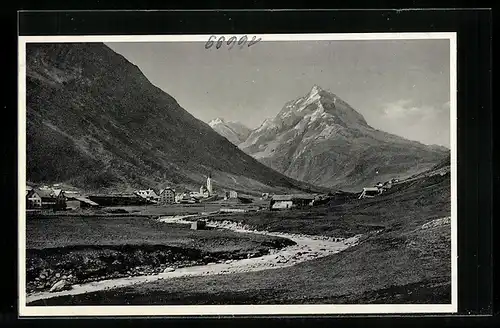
{"points": [[235, 132], [321, 139], [94, 121]]}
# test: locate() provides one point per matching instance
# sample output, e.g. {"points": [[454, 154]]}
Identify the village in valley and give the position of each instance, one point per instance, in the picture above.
{"points": [[52, 198], [132, 199]]}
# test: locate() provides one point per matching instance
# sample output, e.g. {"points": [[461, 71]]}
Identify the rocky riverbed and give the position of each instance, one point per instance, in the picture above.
{"points": [[301, 248], [80, 265]]}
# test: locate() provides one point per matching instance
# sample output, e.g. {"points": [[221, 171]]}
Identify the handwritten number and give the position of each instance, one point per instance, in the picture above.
{"points": [[210, 42], [231, 42], [219, 42], [242, 41], [254, 41]]}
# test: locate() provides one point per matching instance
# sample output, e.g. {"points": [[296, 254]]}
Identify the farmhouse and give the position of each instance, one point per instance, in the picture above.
{"points": [[227, 195], [60, 199], [54, 199], [281, 202], [290, 201], [203, 191], [149, 194], [167, 196], [369, 192], [387, 185], [33, 199]]}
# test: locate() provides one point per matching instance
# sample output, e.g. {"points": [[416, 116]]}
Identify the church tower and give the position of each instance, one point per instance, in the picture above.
{"points": [[209, 184]]}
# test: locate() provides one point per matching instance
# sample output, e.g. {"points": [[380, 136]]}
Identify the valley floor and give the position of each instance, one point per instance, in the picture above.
{"points": [[403, 257]]}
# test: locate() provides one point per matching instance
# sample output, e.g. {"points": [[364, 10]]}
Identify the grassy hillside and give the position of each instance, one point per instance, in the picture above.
{"points": [[94, 121]]}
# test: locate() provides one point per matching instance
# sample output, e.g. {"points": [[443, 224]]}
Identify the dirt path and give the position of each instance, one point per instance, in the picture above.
{"points": [[307, 248]]}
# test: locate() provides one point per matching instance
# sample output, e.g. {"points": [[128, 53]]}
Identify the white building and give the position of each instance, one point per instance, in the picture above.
{"points": [[282, 204], [167, 196], [369, 192], [148, 194], [33, 199]]}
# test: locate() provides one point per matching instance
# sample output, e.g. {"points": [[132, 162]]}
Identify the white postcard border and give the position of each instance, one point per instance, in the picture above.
{"points": [[217, 310]]}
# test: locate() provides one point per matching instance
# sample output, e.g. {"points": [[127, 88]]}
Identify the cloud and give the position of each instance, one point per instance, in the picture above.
{"points": [[427, 123], [407, 110]]}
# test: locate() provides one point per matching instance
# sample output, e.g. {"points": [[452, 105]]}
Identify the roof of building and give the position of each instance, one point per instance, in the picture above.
{"points": [[282, 197], [116, 196], [370, 189], [293, 197], [146, 193], [45, 193], [86, 200], [31, 192]]}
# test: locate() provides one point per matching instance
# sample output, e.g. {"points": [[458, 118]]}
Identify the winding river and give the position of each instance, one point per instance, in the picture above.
{"points": [[307, 247]]}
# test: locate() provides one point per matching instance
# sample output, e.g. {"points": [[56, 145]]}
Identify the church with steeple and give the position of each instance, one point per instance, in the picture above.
{"points": [[209, 184]]}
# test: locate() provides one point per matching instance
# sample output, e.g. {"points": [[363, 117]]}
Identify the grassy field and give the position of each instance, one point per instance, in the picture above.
{"points": [[93, 248], [405, 206], [105, 231], [152, 210], [406, 262], [185, 209]]}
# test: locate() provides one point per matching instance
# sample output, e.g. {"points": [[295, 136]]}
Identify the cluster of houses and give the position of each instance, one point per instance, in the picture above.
{"points": [[163, 196], [379, 188], [280, 202], [58, 199], [169, 195], [55, 198], [205, 193]]}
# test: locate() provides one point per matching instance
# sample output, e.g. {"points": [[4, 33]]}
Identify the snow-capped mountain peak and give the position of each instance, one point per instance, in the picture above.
{"points": [[315, 90], [319, 138], [235, 132], [216, 121]]}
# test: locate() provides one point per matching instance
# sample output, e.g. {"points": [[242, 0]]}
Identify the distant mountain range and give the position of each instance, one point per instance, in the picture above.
{"points": [[235, 132], [95, 122], [320, 139]]}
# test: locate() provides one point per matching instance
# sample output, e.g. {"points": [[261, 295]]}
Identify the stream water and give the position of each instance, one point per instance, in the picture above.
{"points": [[307, 247]]}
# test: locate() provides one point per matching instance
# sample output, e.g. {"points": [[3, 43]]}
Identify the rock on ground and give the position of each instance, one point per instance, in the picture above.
{"points": [[60, 285]]}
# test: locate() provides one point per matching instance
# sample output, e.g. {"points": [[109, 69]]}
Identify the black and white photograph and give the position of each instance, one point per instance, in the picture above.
{"points": [[237, 174]]}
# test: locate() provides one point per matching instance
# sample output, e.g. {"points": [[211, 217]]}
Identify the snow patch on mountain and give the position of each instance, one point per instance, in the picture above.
{"points": [[321, 139], [235, 132], [215, 122]]}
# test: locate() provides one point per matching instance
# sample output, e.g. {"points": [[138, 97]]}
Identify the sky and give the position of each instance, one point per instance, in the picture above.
{"points": [[402, 87]]}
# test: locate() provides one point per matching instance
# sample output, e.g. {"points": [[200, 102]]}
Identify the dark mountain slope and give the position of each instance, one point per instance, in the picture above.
{"points": [[96, 122]]}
